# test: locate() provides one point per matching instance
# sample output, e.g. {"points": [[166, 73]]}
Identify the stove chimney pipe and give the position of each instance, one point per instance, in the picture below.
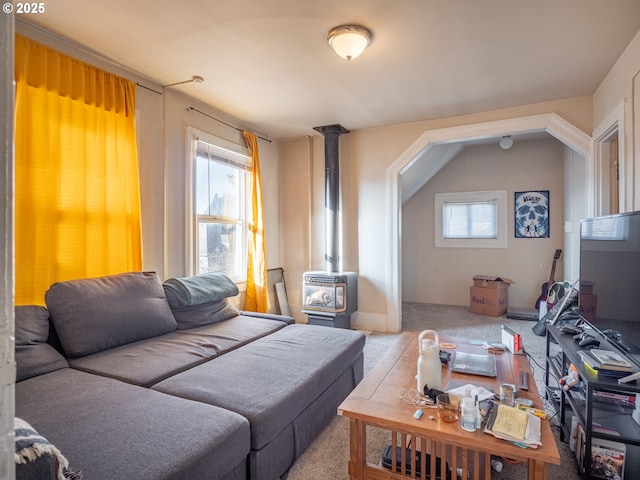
{"points": [[331, 135]]}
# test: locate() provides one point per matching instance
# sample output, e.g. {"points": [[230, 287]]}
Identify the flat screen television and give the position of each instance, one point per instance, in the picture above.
{"points": [[609, 298]]}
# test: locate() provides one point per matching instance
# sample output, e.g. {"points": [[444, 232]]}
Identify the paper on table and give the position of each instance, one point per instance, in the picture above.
{"points": [[483, 393], [532, 432], [511, 421]]}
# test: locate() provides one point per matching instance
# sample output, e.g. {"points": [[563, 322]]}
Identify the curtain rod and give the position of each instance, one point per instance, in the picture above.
{"points": [[147, 88], [205, 114], [224, 123]]}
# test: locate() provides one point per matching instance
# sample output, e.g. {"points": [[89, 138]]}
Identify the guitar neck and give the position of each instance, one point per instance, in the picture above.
{"points": [[556, 256], [553, 272]]}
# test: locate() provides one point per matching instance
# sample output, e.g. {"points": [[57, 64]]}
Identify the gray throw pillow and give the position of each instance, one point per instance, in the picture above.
{"points": [[33, 356], [192, 316], [199, 289], [95, 314]]}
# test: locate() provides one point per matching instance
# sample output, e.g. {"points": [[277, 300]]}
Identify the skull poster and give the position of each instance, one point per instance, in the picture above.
{"points": [[532, 214]]}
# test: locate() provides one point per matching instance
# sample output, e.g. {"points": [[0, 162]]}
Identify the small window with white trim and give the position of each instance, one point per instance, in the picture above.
{"points": [[471, 219]]}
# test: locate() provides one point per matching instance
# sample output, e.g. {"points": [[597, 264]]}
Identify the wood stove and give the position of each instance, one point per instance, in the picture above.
{"points": [[330, 297]]}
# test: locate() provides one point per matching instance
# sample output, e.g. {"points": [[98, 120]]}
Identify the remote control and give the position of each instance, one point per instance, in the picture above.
{"points": [[523, 380], [570, 329], [589, 340]]}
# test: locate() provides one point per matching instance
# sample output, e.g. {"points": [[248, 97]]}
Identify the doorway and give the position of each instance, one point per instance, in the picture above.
{"points": [[551, 123], [610, 167]]}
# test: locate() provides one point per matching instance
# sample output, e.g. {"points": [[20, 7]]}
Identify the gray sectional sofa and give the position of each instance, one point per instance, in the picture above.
{"points": [[133, 378]]}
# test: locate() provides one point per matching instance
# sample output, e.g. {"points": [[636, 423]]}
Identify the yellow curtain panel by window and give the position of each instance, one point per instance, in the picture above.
{"points": [[76, 173], [257, 294]]}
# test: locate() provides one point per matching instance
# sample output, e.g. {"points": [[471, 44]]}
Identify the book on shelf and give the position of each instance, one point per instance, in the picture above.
{"points": [[580, 445], [611, 360], [605, 372], [607, 459], [598, 427], [573, 437], [594, 366], [626, 400]]}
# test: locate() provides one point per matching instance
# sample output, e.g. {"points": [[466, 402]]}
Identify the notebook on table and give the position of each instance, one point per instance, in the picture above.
{"points": [[474, 364]]}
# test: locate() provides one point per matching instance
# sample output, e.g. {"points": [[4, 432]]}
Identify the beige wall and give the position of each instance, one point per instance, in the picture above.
{"points": [[366, 156], [443, 275]]}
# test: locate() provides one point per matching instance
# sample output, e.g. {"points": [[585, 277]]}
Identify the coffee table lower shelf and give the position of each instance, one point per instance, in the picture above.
{"points": [[458, 458], [467, 456]]}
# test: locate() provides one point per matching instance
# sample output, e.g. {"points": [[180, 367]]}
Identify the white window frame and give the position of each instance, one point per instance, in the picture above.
{"points": [[235, 154], [499, 196]]}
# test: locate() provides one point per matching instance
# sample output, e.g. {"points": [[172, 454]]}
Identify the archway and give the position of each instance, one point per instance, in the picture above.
{"points": [[550, 123]]}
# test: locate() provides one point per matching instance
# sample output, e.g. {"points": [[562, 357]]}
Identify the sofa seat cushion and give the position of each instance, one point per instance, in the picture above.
{"points": [[109, 429], [95, 314], [273, 380], [150, 361], [33, 356]]}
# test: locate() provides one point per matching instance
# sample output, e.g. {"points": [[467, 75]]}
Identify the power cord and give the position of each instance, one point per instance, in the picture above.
{"points": [[415, 398]]}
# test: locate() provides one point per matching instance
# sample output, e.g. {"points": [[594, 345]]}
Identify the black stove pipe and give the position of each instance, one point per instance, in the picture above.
{"points": [[331, 135]]}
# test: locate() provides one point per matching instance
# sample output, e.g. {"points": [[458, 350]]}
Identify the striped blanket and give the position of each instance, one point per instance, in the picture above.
{"points": [[29, 446]]}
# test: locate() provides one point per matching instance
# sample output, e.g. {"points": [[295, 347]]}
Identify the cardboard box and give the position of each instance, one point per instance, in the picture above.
{"points": [[588, 307], [488, 281], [488, 301], [489, 295], [586, 288]]}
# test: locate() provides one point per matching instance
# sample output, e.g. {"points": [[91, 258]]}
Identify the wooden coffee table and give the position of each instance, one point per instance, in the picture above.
{"points": [[375, 402]]}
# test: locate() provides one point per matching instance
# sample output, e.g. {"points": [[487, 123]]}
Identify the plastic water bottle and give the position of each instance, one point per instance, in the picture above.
{"points": [[468, 421]]}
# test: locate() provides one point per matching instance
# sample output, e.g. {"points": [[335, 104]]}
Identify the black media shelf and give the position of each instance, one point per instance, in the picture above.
{"points": [[603, 408]]}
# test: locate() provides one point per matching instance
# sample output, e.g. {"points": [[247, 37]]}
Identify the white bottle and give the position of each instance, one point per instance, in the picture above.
{"points": [[429, 366], [468, 421]]}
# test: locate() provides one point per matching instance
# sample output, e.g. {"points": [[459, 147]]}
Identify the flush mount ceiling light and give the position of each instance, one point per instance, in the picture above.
{"points": [[506, 142], [349, 41]]}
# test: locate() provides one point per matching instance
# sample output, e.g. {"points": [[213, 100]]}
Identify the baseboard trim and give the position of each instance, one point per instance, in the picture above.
{"points": [[375, 322]]}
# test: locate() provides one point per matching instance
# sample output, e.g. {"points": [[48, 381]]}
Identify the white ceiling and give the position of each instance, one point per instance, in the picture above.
{"points": [[267, 62]]}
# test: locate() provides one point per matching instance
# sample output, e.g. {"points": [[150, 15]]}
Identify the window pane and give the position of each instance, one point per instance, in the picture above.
{"points": [[219, 249], [470, 220], [218, 188]]}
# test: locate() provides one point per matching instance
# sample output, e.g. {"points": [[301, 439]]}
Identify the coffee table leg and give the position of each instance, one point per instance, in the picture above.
{"points": [[358, 448], [537, 470]]}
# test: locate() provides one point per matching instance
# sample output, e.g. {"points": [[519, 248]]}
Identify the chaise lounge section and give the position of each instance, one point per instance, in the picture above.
{"points": [[165, 381]]}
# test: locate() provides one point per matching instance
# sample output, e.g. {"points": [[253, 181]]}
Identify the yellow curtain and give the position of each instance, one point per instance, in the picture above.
{"points": [[76, 173], [256, 297]]}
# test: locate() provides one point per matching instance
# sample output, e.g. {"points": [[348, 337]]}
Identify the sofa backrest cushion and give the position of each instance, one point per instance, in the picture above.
{"points": [[33, 355], [95, 314], [192, 316]]}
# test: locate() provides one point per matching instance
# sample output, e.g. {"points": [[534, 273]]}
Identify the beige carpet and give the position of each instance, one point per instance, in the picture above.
{"points": [[327, 457]]}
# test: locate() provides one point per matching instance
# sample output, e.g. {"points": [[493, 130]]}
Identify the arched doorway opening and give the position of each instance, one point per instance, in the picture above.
{"points": [[552, 124]]}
